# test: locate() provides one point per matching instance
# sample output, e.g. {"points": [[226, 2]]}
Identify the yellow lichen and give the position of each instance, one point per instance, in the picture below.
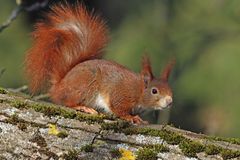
{"points": [[53, 129], [126, 154]]}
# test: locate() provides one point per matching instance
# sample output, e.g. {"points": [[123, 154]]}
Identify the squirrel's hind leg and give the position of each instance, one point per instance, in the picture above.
{"points": [[85, 109]]}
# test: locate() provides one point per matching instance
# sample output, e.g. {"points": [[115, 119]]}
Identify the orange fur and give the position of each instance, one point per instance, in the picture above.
{"points": [[66, 57], [146, 67]]}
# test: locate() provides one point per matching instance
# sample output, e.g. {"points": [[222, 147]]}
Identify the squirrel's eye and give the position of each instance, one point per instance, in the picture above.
{"points": [[154, 91]]}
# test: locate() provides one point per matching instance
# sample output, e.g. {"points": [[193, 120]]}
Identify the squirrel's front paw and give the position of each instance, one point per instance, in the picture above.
{"points": [[135, 119]]}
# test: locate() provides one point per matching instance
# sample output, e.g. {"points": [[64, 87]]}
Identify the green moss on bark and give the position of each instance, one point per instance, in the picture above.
{"points": [[150, 152], [190, 148]]}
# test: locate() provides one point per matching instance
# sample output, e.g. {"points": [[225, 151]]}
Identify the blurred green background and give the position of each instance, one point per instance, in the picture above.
{"points": [[203, 35]]}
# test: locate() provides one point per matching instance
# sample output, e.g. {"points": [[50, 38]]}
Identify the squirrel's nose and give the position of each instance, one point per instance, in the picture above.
{"points": [[169, 100]]}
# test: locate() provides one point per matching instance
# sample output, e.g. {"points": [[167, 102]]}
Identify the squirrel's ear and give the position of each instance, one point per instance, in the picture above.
{"points": [[146, 70], [167, 70]]}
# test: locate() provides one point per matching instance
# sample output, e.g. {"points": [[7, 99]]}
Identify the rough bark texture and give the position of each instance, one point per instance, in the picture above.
{"points": [[27, 132]]}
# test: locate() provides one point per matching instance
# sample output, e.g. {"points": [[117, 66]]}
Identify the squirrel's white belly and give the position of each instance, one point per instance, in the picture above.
{"points": [[102, 103]]}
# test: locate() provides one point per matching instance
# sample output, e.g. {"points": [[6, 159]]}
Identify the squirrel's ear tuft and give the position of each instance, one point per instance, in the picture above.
{"points": [[167, 70], [146, 70]]}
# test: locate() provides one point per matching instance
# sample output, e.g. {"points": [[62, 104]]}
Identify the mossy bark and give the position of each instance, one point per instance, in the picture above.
{"points": [[25, 134]]}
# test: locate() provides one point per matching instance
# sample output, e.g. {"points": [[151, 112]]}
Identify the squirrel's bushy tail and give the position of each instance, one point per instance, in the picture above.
{"points": [[70, 36]]}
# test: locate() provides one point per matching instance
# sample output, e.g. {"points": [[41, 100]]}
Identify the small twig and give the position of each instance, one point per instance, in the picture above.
{"points": [[20, 89], [2, 72], [36, 6], [94, 138], [12, 17]]}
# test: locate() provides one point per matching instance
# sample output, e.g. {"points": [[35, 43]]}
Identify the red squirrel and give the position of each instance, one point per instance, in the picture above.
{"points": [[66, 56]]}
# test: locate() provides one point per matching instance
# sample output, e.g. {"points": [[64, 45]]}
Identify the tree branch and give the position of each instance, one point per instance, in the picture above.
{"points": [[22, 6], [25, 132], [11, 18]]}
